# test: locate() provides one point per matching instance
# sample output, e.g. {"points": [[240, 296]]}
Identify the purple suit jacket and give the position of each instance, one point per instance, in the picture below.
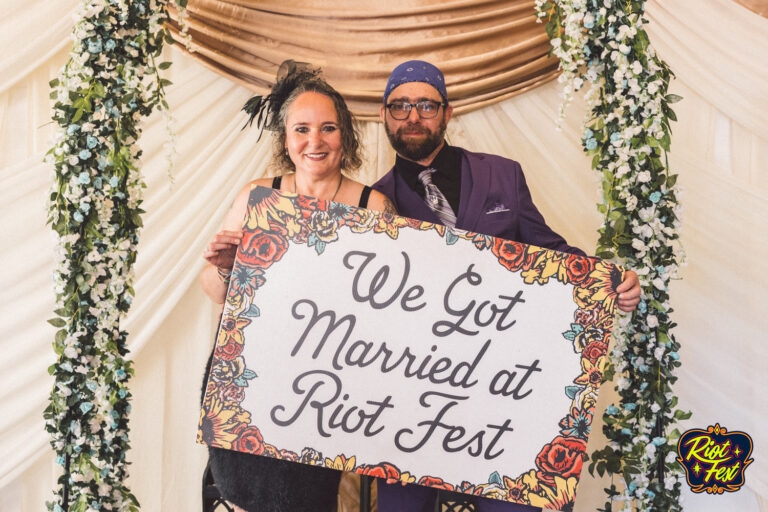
{"points": [[495, 200]]}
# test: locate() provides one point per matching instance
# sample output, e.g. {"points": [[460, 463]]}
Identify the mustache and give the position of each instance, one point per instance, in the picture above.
{"points": [[413, 128]]}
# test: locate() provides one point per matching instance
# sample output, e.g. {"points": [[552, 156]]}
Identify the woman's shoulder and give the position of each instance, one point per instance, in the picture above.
{"points": [[379, 202]]}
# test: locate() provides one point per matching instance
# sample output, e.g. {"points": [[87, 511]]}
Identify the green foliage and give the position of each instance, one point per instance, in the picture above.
{"points": [[109, 84]]}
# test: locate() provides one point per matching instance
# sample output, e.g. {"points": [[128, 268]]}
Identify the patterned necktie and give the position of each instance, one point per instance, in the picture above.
{"points": [[436, 200]]}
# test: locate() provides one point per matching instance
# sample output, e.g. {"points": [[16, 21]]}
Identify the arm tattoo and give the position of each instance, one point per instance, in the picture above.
{"points": [[389, 207]]}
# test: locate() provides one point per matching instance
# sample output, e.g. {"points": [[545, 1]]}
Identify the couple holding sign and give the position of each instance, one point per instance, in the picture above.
{"points": [[316, 138]]}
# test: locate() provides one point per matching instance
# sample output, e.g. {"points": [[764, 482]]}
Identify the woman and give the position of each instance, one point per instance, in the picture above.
{"points": [[316, 139]]}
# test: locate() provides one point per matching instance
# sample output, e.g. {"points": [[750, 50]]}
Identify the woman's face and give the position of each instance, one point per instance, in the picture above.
{"points": [[313, 135]]}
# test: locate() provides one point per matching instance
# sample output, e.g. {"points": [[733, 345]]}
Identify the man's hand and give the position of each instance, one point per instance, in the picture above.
{"points": [[629, 292]]}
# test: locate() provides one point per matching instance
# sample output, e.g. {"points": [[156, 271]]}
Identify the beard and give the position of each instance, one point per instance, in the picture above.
{"points": [[416, 149]]}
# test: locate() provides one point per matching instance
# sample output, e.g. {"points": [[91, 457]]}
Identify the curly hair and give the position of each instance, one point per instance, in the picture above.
{"points": [[351, 159]]}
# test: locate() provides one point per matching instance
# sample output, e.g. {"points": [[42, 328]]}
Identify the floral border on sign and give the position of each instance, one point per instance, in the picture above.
{"points": [[276, 221], [109, 83], [627, 131]]}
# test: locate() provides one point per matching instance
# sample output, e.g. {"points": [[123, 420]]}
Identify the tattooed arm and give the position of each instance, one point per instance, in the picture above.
{"points": [[379, 202]]}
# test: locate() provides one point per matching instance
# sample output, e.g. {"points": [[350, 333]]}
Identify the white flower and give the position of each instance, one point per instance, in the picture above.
{"points": [[644, 176], [652, 321]]}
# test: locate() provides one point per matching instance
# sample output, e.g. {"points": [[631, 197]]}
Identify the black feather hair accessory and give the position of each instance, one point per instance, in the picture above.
{"points": [[265, 110]]}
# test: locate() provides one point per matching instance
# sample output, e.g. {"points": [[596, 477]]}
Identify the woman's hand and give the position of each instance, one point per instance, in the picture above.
{"points": [[222, 250]]}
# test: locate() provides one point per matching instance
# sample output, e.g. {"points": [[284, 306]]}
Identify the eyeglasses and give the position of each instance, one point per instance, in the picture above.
{"points": [[427, 109]]}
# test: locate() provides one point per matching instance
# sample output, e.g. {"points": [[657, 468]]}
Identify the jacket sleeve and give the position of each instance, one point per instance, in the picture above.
{"points": [[533, 229]]}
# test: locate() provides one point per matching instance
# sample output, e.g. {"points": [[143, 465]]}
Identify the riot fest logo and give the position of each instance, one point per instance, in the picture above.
{"points": [[714, 459]]}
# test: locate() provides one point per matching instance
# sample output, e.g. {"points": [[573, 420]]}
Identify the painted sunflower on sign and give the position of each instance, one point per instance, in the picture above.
{"points": [[264, 204], [603, 289], [218, 425]]}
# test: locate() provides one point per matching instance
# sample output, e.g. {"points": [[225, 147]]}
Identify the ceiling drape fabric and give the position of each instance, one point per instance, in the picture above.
{"points": [[488, 50], [719, 148]]}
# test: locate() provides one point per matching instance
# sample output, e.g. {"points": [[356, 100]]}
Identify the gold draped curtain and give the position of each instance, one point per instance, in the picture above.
{"points": [[489, 50]]}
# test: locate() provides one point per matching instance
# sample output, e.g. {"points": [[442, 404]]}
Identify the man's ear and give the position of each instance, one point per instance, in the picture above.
{"points": [[448, 113], [382, 113]]}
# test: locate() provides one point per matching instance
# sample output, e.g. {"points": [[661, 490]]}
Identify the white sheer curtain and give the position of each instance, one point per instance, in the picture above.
{"points": [[720, 149]]}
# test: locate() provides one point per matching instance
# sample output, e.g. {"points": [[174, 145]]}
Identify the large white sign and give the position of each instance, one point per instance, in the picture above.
{"points": [[388, 346]]}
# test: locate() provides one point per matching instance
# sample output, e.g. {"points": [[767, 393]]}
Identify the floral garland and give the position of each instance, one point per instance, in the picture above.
{"points": [[627, 130], [109, 83]]}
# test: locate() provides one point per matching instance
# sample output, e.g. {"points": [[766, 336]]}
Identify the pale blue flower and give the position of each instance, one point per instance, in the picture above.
{"points": [[95, 505], [102, 164], [588, 133], [658, 441], [655, 196], [119, 195], [91, 142], [643, 386], [98, 182], [591, 144], [128, 299], [642, 307], [71, 129], [120, 373], [660, 269], [626, 432], [589, 24], [615, 136], [91, 385], [84, 178], [587, 51], [122, 393], [611, 409], [85, 207], [94, 46], [632, 487], [611, 31], [674, 355], [104, 472], [109, 45], [60, 460], [650, 493], [86, 407], [113, 181], [84, 154], [77, 448], [630, 406], [114, 414], [78, 216]]}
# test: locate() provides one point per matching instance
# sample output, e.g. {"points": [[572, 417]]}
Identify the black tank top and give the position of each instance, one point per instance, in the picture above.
{"points": [[277, 180]]}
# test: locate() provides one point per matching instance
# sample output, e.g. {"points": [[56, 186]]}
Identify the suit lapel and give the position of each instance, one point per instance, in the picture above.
{"points": [[411, 202], [475, 184]]}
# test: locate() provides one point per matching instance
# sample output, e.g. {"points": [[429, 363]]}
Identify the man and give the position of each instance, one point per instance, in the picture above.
{"points": [[435, 182]]}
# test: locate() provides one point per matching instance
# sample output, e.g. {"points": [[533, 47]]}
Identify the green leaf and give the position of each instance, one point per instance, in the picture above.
{"points": [[673, 98], [606, 255], [54, 82], [165, 65], [52, 369], [165, 82], [98, 90], [61, 335], [57, 322], [78, 115], [671, 180]]}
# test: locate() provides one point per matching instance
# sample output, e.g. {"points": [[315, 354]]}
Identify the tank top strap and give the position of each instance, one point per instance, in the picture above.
{"points": [[364, 197], [276, 182]]}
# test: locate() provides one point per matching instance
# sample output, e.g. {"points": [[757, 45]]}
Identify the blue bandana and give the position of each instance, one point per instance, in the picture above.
{"points": [[416, 71]]}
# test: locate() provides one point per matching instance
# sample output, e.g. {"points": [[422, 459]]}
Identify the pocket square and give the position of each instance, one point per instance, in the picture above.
{"points": [[497, 208]]}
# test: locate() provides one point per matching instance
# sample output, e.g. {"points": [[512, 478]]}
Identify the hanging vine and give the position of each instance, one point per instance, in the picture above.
{"points": [[109, 84], [627, 132]]}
